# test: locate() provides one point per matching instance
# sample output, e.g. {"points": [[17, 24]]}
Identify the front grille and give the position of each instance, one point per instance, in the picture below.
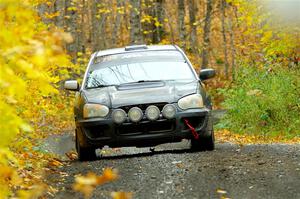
{"points": [[98, 131], [145, 127]]}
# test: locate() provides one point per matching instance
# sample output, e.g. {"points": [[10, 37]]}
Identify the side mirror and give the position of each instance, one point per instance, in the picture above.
{"points": [[207, 74], [71, 85]]}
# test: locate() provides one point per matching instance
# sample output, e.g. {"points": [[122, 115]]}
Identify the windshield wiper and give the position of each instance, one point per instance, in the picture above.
{"points": [[101, 86], [141, 81]]}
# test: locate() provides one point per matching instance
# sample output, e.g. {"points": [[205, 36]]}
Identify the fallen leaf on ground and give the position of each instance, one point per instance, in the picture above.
{"points": [[121, 195], [55, 162], [87, 184], [180, 165], [71, 155], [242, 139]]}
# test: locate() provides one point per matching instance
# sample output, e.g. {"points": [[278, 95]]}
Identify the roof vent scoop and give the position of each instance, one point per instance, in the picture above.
{"points": [[136, 47]]}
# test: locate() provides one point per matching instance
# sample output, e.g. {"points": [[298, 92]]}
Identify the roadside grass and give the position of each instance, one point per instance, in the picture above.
{"points": [[263, 105]]}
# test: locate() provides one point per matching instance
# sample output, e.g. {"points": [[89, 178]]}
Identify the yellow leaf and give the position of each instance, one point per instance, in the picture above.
{"points": [[157, 24], [121, 195], [26, 128], [55, 163], [86, 184], [72, 9]]}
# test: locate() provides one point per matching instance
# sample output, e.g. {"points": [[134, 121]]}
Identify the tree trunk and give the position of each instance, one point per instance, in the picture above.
{"points": [[117, 24], [231, 34], [98, 26], [170, 25], [71, 24], [94, 29], [81, 39], [181, 24], [147, 23], [135, 24], [158, 32], [102, 29], [59, 6], [226, 63], [206, 35], [193, 33]]}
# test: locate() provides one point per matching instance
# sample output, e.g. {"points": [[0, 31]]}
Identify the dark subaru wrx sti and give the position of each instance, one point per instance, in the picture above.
{"points": [[141, 96]]}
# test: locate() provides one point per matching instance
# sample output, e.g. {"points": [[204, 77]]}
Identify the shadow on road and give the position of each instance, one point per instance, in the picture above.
{"points": [[145, 154]]}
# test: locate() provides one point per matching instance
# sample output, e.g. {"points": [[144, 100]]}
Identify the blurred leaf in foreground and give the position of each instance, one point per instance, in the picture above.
{"points": [[86, 184]]}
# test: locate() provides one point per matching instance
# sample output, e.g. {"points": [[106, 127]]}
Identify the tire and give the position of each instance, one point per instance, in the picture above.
{"points": [[84, 153], [203, 143]]}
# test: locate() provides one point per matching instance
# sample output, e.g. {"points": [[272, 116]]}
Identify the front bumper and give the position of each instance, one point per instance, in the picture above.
{"points": [[99, 132]]}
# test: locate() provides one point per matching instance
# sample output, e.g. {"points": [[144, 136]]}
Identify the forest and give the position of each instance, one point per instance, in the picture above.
{"points": [[253, 45]]}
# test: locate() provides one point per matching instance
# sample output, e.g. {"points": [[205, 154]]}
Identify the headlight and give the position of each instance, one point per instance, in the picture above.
{"points": [[191, 101], [95, 110], [152, 112], [119, 116], [135, 114], [169, 111]]}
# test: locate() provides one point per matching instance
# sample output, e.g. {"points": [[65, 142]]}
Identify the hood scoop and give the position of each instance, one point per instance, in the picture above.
{"points": [[140, 85]]}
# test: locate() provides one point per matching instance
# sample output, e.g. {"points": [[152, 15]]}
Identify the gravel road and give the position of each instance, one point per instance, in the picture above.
{"points": [[173, 171]]}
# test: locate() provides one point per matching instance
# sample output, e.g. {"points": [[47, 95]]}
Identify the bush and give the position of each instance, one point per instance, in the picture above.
{"points": [[263, 102]]}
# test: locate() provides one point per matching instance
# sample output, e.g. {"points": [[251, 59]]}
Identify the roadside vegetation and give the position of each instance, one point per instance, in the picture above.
{"points": [[43, 43], [32, 63], [264, 102], [262, 97]]}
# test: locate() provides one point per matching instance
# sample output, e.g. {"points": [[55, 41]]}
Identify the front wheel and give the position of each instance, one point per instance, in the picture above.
{"points": [[84, 153], [206, 143]]}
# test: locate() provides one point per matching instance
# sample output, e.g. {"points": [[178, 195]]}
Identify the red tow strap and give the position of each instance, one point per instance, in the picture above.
{"points": [[195, 134]]}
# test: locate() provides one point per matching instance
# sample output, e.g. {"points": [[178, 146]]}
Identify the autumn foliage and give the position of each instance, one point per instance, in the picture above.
{"points": [[32, 62]]}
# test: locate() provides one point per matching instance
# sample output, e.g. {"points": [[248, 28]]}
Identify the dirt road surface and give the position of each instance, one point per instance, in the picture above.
{"points": [[173, 171]]}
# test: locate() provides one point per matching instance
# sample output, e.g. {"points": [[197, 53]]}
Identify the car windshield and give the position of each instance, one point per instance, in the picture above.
{"points": [[138, 67]]}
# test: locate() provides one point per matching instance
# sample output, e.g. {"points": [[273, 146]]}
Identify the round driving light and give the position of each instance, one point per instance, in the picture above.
{"points": [[152, 112], [135, 114], [169, 111], [119, 116]]}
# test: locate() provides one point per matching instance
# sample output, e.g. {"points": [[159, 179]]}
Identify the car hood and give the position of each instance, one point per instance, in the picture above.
{"points": [[141, 93]]}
